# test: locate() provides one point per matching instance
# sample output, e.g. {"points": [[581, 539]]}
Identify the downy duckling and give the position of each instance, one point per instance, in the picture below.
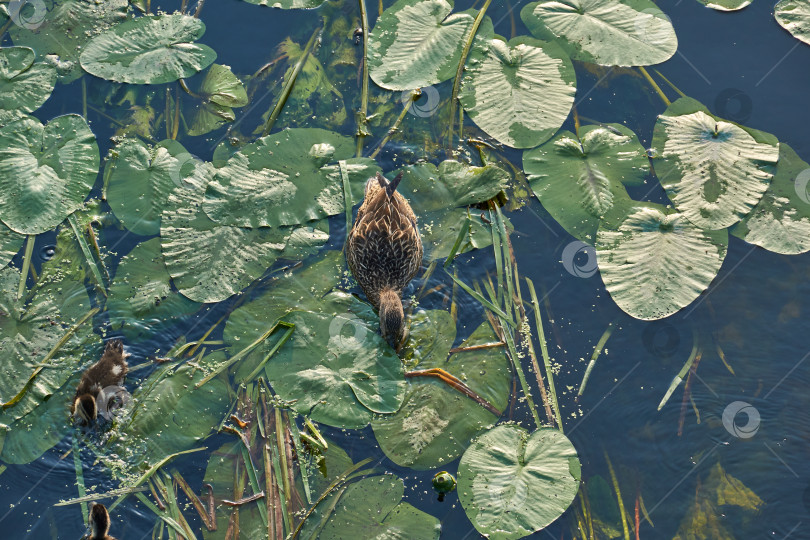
{"points": [[384, 252], [109, 371], [99, 523]]}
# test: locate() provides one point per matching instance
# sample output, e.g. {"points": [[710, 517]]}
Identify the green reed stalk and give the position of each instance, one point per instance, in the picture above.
{"points": [[361, 117], [596, 352], [541, 336]]}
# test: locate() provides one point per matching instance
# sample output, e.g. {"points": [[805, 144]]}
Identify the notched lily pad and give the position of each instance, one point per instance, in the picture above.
{"points": [[24, 84], [220, 91], [794, 16]]}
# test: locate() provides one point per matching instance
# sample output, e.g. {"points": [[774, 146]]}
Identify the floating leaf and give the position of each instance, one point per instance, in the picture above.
{"points": [[210, 262], [606, 32], [336, 366], [141, 177], [417, 43], [288, 4], [10, 244], [67, 26], [440, 230], [726, 5], [46, 172], [714, 171], [220, 90], [277, 180], [153, 49], [452, 184], [579, 180], [24, 85], [141, 300], [780, 222], [512, 483], [794, 16], [656, 262], [519, 92], [436, 421]]}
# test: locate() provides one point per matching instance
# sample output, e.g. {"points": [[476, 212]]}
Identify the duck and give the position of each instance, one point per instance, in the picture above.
{"points": [[99, 523], [109, 371], [384, 252]]}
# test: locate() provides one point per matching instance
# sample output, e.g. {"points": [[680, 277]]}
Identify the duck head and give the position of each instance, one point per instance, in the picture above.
{"points": [[392, 317]]}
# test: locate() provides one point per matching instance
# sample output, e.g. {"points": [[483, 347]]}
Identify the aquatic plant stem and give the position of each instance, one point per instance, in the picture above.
{"points": [[29, 250], [618, 498], [453, 382], [460, 70], [77, 464], [248, 463], [290, 83], [465, 228], [284, 469], [677, 90], [407, 107], [348, 203], [541, 336], [361, 116], [596, 352], [655, 86], [678, 379], [91, 262], [84, 98]]}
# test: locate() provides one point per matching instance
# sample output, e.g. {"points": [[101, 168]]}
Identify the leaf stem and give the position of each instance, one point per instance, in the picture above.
{"points": [[541, 336], [655, 86], [29, 250], [596, 352], [361, 117], [677, 90], [414, 94], [91, 262]]}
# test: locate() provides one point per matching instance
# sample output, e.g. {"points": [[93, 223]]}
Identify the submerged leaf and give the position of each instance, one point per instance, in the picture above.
{"points": [[220, 90], [519, 92], [656, 262], [10, 244], [794, 16], [606, 32], [153, 49], [512, 483], [714, 171], [46, 172], [24, 84]]}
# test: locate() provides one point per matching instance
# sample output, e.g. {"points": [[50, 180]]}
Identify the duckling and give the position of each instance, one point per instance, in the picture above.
{"points": [[109, 371], [384, 252], [99, 523]]}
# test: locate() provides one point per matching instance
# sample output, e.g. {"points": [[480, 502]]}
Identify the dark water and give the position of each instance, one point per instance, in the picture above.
{"points": [[744, 67]]}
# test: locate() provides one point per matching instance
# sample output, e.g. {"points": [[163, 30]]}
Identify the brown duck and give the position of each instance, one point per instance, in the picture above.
{"points": [[384, 252], [99, 523], [109, 371]]}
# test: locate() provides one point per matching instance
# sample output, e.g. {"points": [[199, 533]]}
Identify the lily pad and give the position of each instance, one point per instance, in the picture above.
{"points": [[780, 222], [10, 244], [210, 262], [794, 16], [512, 483], [141, 300], [605, 32], [153, 49], [417, 43], [336, 366], [436, 422], [519, 92], [24, 84], [140, 179], [440, 229], [714, 171], [277, 180], [67, 26], [288, 4], [220, 91], [656, 262], [452, 184], [725, 5], [580, 180], [46, 172]]}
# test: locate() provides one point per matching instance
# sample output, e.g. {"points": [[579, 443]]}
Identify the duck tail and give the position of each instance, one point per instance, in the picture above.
{"points": [[392, 185]]}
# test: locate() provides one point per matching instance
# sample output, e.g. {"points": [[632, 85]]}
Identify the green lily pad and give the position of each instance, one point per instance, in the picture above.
{"points": [[512, 483], [10, 244], [306, 240], [67, 27], [277, 180], [210, 262], [24, 84], [580, 180], [726, 5], [141, 177], [288, 4], [220, 91], [655, 262], [417, 43], [336, 366], [606, 32], [794, 16], [158, 49], [46, 172], [714, 171], [436, 422], [141, 301], [780, 221], [452, 184], [440, 229], [519, 92]]}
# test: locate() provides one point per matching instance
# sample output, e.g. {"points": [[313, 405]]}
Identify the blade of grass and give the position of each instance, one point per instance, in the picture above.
{"points": [[169, 521], [285, 466], [77, 464], [299, 450], [486, 303], [276, 347], [596, 352], [347, 195], [29, 250], [682, 373], [618, 492], [253, 478], [541, 336]]}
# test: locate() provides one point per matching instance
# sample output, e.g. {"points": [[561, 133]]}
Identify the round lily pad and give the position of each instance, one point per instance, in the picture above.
{"points": [[153, 49], [656, 262], [512, 483], [794, 16], [10, 244], [46, 172], [24, 84], [606, 32], [519, 92], [580, 180], [429, 188], [714, 171], [220, 91]]}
